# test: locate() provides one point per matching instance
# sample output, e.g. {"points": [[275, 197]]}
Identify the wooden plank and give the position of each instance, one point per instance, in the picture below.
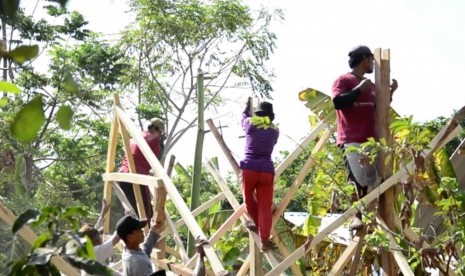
{"points": [[177, 238], [160, 199], [159, 202], [174, 267], [383, 121], [256, 265], [220, 232], [295, 153], [442, 137], [196, 212], [224, 147], [110, 166], [396, 251], [358, 252], [30, 237], [301, 176], [244, 267], [176, 198], [345, 257], [138, 179]]}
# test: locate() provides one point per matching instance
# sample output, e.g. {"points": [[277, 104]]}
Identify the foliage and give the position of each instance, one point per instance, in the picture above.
{"points": [[174, 39], [431, 183], [73, 246]]}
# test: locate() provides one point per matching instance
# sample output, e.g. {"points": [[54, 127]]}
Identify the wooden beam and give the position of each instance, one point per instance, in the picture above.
{"points": [[174, 267], [345, 257], [220, 232], [177, 238], [196, 212], [296, 152], [110, 166], [358, 252], [244, 267], [160, 201], [30, 237], [443, 137], [176, 198], [395, 250], [137, 179], [256, 265], [224, 147], [301, 176], [383, 121]]}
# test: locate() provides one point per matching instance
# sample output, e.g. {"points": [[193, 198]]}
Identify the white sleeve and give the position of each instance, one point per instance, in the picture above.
{"points": [[104, 251]]}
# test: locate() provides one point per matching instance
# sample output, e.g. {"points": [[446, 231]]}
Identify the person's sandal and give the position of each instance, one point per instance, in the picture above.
{"points": [[266, 246], [251, 226]]}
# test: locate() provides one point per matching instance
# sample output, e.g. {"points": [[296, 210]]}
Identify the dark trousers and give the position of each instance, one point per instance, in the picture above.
{"points": [[146, 197]]}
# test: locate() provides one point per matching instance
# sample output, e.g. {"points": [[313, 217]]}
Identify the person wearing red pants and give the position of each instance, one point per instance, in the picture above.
{"points": [[258, 169]]}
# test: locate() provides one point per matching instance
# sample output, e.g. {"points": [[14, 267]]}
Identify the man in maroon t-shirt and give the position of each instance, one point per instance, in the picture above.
{"points": [[152, 136], [354, 100]]}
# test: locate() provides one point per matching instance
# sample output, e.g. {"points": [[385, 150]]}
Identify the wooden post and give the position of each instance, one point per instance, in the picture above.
{"points": [[110, 167], [160, 200], [383, 100], [256, 266]]}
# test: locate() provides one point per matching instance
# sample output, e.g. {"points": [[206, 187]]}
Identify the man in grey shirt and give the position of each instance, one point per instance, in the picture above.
{"points": [[136, 258]]}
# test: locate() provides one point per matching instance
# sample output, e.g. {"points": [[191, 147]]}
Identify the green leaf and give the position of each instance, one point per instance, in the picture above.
{"points": [[69, 84], [42, 240], [9, 87], [231, 255], [3, 101], [26, 217], [28, 121], [23, 53], [64, 116]]}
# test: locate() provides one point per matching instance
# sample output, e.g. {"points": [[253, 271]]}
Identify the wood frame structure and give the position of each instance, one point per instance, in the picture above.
{"points": [[163, 189]]}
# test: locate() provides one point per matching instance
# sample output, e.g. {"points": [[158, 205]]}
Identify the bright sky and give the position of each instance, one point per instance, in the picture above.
{"points": [[427, 57]]}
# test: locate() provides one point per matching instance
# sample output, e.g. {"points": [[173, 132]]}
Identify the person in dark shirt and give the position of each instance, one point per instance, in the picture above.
{"points": [[354, 97], [258, 169], [153, 136]]}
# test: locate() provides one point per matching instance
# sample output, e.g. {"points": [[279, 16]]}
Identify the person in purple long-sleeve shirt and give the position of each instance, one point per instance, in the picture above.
{"points": [[258, 169]]}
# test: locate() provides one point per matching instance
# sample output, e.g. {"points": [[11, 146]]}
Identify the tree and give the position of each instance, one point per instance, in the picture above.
{"points": [[172, 39], [53, 131]]}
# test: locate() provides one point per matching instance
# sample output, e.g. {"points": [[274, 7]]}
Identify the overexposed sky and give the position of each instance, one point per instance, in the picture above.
{"points": [[427, 56]]}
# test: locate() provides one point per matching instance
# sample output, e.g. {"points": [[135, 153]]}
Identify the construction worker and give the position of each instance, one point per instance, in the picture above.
{"points": [[153, 134], [353, 97], [258, 169], [103, 250]]}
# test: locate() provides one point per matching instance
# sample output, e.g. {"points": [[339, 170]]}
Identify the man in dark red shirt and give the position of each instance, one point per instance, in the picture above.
{"points": [[354, 100], [152, 136]]}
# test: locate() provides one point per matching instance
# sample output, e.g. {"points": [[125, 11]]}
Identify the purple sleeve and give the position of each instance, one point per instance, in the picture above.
{"points": [[245, 122]]}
